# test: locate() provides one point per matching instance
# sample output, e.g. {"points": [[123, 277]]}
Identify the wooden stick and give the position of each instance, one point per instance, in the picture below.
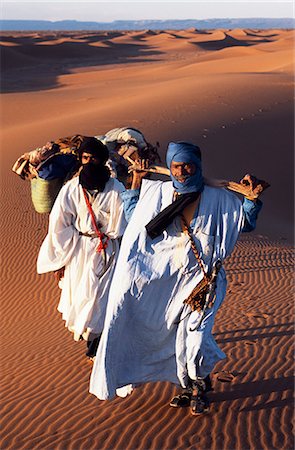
{"points": [[160, 170], [231, 185], [153, 169]]}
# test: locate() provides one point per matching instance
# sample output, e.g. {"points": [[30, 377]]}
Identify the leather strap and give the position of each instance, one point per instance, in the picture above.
{"points": [[101, 236], [194, 248]]}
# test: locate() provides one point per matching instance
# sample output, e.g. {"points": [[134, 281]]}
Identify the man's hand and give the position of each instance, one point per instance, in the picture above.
{"points": [[59, 274], [139, 169], [250, 187]]}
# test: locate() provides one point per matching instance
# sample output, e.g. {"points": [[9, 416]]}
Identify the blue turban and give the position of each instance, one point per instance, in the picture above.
{"points": [[187, 153]]}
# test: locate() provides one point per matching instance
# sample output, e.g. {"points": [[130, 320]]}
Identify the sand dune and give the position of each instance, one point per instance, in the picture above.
{"points": [[231, 92], [8, 44], [77, 50]]}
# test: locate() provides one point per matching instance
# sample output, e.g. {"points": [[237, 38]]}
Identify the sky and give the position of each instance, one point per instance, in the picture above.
{"points": [[100, 11]]}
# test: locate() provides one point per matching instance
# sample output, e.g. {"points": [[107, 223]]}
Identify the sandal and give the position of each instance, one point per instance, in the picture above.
{"points": [[199, 404], [181, 400]]}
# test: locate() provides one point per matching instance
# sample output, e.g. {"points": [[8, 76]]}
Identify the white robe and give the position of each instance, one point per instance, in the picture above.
{"points": [[87, 276], [144, 339]]}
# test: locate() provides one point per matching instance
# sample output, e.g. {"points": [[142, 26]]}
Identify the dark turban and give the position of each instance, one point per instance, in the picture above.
{"points": [[94, 147], [94, 175]]}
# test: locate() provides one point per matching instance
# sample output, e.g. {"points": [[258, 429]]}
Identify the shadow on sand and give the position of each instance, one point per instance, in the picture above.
{"points": [[34, 62], [227, 42], [253, 389]]}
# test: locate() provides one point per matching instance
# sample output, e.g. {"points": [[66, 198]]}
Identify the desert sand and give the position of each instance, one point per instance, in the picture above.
{"points": [[230, 92]]}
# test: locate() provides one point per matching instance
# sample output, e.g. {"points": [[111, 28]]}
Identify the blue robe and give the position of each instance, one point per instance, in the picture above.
{"points": [[147, 335]]}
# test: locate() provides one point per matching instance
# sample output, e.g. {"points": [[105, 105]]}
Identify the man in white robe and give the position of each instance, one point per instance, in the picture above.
{"points": [[150, 334], [82, 243]]}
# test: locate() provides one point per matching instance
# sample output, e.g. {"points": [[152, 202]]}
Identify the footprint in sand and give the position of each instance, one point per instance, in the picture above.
{"points": [[225, 376]]}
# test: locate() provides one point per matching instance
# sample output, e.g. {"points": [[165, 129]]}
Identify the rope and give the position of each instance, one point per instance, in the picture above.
{"points": [[194, 248], [102, 245]]}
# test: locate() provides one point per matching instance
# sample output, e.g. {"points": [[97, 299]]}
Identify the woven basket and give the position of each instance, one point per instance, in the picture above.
{"points": [[44, 193]]}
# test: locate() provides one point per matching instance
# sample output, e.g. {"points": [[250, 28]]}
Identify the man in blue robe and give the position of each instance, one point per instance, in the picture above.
{"points": [[177, 231]]}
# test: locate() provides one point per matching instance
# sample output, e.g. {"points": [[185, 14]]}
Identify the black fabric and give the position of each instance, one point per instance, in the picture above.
{"points": [[92, 347], [159, 223], [208, 383], [94, 176], [94, 147]]}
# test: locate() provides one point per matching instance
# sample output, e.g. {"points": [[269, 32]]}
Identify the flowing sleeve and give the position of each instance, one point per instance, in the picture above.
{"points": [[236, 217], [117, 222], [130, 199], [62, 237], [251, 210], [230, 220]]}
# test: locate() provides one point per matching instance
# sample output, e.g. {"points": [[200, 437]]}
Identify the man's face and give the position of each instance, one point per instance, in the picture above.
{"points": [[182, 170], [88, 157]]}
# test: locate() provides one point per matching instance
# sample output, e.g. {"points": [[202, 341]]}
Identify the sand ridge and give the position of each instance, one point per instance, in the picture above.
{"points": [[229, 91], [81, 49]]}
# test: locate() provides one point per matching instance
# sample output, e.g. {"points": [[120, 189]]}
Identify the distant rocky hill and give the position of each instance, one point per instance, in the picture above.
{"points": [[72, 25]]}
